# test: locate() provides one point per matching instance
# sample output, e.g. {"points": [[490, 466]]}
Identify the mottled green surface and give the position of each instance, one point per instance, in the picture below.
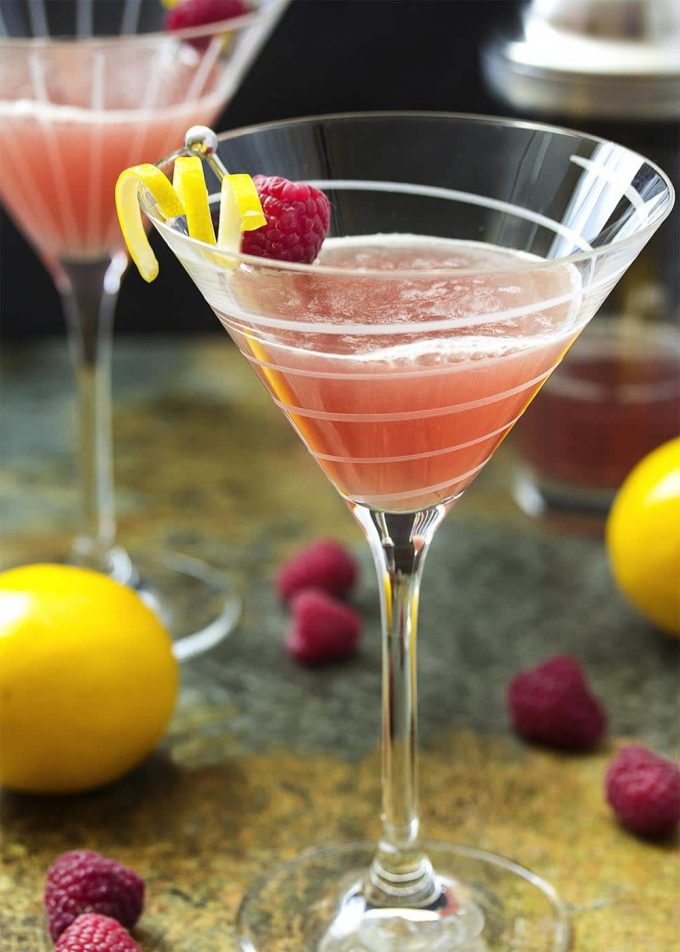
{"points": [[265, 757]]}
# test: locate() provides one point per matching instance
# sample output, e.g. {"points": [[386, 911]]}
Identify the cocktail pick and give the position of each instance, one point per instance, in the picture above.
{"points": [[202, 141]]}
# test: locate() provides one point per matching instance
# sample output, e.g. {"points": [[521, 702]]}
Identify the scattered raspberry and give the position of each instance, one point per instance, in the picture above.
{"points": [[297, 216], [644, 791], [323, 629], [194, 13], [92, 933], [324, 565], [84, 881], [552, 704]]}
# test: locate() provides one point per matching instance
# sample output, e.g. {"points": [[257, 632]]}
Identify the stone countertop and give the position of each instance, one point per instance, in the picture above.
{"points": [[265, 758]]}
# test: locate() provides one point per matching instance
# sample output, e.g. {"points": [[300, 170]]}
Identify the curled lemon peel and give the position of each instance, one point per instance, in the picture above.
{"points": [[229, 231], [130, 216], [240, 210], [189, 183], [248, 202], [187, 195]]}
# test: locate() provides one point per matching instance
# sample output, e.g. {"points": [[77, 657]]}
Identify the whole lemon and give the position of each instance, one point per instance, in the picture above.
{"points": [[88, 680], [643, 536]]}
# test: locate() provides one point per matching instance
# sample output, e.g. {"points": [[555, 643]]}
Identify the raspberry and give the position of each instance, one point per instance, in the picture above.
{"points": [[193, 13], [552, 704], [323, 629], [644, 791], [323, 565], [84, 881], [92, 933], [297, 216]]}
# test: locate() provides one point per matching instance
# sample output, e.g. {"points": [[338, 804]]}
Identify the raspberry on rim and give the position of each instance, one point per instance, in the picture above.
{"points": [[298, 216]]}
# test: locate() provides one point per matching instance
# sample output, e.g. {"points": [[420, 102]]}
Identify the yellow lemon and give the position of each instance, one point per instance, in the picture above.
{"points": [[88, 679], [643, 537]]}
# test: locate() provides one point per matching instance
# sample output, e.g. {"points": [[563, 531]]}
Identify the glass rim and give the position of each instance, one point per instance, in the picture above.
{"points": [[187, 33], [273, 264]]}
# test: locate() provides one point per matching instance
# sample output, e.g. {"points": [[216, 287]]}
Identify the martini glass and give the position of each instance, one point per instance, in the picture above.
{"points": [[465, 256], [110, 90]]}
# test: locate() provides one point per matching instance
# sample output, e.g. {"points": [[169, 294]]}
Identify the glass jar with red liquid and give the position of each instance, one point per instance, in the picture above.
{"points": [[611, 67]]}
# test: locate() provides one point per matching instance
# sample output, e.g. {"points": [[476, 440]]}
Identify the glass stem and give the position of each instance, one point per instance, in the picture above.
{"points": [[89, 292], [400, 874]]}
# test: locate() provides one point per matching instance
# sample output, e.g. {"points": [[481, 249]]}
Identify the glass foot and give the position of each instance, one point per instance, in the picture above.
{"points": [[197, 603], [486, 904], [540, 497]]}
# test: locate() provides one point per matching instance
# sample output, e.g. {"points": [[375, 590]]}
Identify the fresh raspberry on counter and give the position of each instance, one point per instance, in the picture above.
{"points": [[643, 789], [298, 216], [552, 704], [323, 565], [93, 933], [323, 629], [83, 881]]}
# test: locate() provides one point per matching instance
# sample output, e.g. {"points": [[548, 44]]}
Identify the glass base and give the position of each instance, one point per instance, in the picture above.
{"points": [[486, 904], [197, 603], [541, 497]]}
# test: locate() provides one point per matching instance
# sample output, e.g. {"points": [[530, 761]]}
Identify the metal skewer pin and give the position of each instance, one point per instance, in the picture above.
{"points": [[203, 142]]}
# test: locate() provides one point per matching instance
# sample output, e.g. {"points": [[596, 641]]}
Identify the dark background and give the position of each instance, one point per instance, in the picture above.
{"points": [[325, 56]]}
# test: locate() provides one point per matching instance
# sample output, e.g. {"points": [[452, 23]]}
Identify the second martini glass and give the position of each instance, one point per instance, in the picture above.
{"points": [[86, 89], [465, 256]]}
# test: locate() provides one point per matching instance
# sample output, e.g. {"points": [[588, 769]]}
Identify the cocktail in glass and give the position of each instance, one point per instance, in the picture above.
{"points": [[87, 89], [465, 256]]}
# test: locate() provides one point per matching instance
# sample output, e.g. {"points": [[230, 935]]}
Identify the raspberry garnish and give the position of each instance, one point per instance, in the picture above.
{"points": [[83, 881], [552, 704], [644, 791], [191, 13], [93, 933], [323, 565], [297, 216], [323, 629]]}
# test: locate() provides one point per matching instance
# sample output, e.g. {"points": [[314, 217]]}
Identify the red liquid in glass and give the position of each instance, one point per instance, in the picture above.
{"points": [[613, 400]]}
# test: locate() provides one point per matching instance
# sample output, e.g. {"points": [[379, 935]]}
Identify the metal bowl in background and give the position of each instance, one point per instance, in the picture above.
{"points": [[609, 59], [611, 68]]}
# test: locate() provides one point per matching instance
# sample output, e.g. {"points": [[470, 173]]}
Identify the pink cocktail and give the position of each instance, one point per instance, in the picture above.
{"points": [[86, 90], [404, 419], [466, 254], [70, 123]]}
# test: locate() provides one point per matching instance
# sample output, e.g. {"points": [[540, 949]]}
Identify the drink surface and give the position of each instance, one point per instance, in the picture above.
{"points": [[403, 384], [72, 118]]}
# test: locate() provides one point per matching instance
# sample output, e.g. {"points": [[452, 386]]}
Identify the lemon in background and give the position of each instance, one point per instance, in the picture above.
{"points": [[643, 537], [88, 680]]}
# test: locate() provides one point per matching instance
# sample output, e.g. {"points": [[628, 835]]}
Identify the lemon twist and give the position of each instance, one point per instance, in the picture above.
{"points": [[189, 183], [130, 216], [248, 202], [240, 209]]}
